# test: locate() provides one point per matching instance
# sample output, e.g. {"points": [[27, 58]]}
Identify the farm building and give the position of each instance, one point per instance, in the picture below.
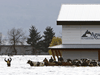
{"points": [[21, 49], [80, 32]]}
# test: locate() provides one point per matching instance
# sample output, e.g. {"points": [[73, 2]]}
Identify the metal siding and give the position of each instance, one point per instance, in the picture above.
{"points": [[71, 55], [68, 32], [80, 54], [89, 54], [71, 34], [79, 12]]}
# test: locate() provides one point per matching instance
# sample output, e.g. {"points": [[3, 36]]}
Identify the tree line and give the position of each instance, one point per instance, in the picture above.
{"points": [[38, 42]]}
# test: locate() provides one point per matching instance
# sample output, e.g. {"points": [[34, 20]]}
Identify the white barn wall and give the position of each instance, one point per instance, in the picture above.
{"points": [[71, 34], [80, 54]]}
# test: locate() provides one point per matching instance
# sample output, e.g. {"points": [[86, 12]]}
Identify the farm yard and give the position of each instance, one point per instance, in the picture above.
{"points": [[19, 66]]}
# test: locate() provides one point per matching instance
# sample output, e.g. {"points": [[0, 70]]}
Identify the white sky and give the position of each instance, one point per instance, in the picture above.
{"points": [[42, 13]]}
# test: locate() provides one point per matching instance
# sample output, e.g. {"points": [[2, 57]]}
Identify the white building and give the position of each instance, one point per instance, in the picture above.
{"points": [[80, 31]]}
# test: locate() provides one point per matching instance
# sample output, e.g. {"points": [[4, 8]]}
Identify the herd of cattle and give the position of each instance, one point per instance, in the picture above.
{"points": [[68, 62]]}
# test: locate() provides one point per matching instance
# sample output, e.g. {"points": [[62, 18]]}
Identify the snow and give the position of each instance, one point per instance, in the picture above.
{"points": [[19, 66], [79, 12]]}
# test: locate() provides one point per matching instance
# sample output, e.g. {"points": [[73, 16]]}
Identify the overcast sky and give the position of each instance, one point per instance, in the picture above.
{"points": [[40, 13]]}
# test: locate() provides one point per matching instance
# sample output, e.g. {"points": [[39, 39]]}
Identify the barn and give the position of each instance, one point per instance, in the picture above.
{"points": [[80, 32]]}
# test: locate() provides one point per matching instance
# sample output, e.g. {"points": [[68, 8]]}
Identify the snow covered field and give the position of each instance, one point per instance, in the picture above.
{"points": [[19, 66]]}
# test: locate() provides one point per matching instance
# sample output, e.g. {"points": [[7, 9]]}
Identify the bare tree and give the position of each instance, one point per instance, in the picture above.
{"points": [[16, 37]]}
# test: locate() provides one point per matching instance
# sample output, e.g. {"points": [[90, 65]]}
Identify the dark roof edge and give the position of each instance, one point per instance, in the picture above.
{"points": [[78, 22]]}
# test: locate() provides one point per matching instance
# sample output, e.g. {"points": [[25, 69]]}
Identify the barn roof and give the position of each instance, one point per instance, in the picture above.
{"points": [[79, 14], [76, 46]]}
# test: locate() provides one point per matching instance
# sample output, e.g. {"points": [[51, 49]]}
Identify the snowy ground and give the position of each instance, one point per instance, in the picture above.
{"points": [[19, 66]]}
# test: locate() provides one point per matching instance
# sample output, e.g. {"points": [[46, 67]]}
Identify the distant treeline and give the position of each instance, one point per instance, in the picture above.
{"points": [[38, 42]]}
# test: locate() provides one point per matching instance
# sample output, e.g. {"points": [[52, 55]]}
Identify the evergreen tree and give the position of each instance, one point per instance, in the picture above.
{"points": [[48, 35], [34, 39]]}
